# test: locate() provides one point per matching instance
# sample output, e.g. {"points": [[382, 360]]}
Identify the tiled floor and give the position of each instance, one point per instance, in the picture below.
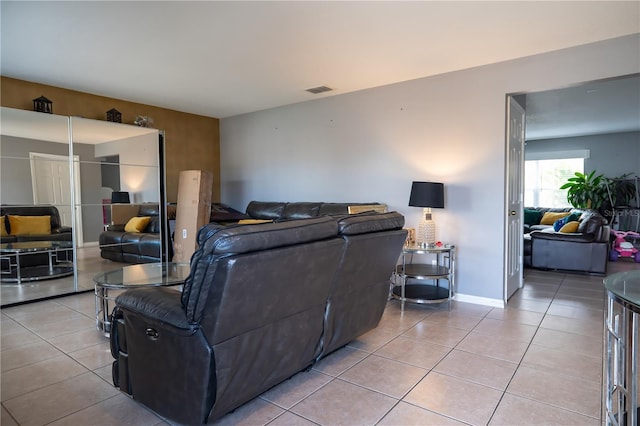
{"points": [[89, 263], [536, 362]]}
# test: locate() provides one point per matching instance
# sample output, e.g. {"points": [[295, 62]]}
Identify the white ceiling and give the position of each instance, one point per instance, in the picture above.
{"points": [[225, 58], [607, 106]]}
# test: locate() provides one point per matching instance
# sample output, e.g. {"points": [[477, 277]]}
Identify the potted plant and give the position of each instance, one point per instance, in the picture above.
{"points": [[586, 191]]}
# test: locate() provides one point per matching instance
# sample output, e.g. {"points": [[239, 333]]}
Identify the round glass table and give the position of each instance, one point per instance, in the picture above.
{"points": [[620, 358], [131, 276]]}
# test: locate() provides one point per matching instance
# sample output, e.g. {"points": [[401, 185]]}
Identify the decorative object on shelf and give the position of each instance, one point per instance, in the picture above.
{"points": [[427, 195], [143, 121], [114, 116], [43, 104], [120, 197]]}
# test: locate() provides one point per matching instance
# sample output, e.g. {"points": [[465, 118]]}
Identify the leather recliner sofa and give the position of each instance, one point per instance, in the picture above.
{"points": [[585, 250], [134, 247], [58, 232], [262, 303], [276, 210]]}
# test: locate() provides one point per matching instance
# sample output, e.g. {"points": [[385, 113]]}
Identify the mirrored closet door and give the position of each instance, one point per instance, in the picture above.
{"points": [[69, 187]]}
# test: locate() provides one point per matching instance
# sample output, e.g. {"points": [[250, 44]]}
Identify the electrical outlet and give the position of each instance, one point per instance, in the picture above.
{"points": [[434, 262], [184, 233]]}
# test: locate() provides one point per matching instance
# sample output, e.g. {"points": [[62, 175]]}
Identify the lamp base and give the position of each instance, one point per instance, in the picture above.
{"points": [[427, 232]]}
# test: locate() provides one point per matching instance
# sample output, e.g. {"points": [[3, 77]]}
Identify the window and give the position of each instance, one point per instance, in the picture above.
{"points": [[544, 177]]}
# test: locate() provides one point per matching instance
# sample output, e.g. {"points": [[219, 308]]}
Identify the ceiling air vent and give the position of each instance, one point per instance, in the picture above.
{"points": [[319, 89]]}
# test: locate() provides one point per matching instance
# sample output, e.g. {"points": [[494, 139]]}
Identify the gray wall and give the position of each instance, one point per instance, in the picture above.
{"points": [[15, 177], [611, 155], [370, 145]]}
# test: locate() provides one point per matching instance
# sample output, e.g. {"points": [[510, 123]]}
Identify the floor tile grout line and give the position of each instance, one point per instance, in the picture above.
{"points": [[519, 364]]}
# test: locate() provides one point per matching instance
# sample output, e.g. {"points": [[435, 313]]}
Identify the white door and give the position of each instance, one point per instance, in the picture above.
{"points": [[51, 183], [515, 189]]}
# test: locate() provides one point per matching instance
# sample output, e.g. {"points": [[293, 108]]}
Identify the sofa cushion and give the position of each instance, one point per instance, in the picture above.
{"points": [[573, 217], [3, 227], [265, 209], [137, 224], [253, 221], [548, 218], [570, 227], [300, 210], [591, 222], [248, 238], [149, 209], [532, 217], [29, 225], [367, 222], [154, 225]]}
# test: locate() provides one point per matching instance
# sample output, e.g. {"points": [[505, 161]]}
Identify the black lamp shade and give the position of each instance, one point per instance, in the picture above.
{"points": [[427, 194], [120, 197]]}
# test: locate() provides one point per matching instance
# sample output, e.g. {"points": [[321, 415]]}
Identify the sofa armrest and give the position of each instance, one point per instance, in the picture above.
{"points": [[162, 360], [561, 236], [115, 228], [158, 304], [61, 230]]}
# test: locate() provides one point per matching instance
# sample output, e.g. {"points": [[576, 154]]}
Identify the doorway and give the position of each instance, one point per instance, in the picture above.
{"points": [[50, 180]]}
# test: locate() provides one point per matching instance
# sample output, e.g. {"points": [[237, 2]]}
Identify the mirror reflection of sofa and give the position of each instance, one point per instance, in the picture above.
{"points": [[29, 224], [137, 243], [566, 239]]}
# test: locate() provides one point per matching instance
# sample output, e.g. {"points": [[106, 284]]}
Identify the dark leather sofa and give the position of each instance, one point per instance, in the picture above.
{"points": [[262, 303], [58, 232], [134, 247], [277, 210], [583, 251]]}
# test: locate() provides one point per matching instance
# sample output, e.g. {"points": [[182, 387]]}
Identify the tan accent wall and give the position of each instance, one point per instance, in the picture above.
{"points": [[192, 142]]}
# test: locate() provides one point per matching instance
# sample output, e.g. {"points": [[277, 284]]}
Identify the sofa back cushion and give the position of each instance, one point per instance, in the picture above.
{"points": [[363, 223], [149, 209], [218, 243], [532, 216], [591, 222], [265, 209], [300, 210], [40, 210], [360, 290]]}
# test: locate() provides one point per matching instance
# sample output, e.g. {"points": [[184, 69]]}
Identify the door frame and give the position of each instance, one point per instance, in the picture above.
{"points": [[77, 225]]}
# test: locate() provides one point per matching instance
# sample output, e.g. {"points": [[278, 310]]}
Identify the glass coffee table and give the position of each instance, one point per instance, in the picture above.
{"points": [[58, 265], [131, 276]]}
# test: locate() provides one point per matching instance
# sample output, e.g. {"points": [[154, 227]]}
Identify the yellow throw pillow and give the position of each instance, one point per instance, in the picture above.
{"points": [[548, 217], [29, 225], [253, 221], [3, 228], [570, 227], [137, 224]]}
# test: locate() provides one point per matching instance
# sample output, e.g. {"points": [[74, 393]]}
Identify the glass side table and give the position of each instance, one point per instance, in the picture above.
{"points": [[420, 282], [142, 275], [620, 358]]}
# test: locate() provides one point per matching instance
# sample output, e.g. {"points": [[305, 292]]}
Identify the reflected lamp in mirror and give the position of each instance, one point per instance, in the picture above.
{"points": [[120, 197], [43, 104], [427, 195]]}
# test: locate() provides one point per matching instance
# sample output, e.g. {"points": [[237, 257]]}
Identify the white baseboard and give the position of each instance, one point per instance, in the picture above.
{"points": [[496, 303], [90, 244]]}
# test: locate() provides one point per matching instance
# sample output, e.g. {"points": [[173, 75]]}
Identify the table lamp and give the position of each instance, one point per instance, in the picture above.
{"points": [[427, 195], [120, 197]]}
